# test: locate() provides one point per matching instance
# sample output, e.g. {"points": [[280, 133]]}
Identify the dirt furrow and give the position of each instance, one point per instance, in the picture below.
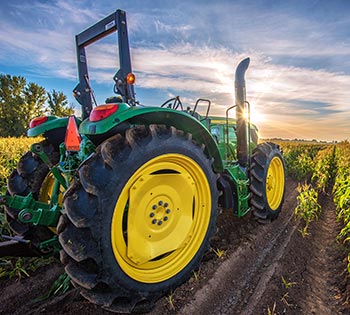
{"points": [[242, 278], [322, 270]]}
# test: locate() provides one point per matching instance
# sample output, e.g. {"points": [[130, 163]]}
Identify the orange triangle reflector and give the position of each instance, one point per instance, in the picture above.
{"points": [[72, 140]]}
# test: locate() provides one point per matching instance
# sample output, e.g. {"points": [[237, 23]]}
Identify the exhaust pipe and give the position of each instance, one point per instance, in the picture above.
{"points": [[241, 125]]}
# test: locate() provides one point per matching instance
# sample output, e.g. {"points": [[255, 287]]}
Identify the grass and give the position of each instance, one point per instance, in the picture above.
{"points": [[286, 284], [284, 299], [219, 252], [170, 300], [196, 274], [21, 267], [60, 286], [272, 311]]}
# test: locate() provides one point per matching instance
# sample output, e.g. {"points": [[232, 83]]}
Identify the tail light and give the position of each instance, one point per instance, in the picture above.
{"points": [[103, 111], [37, 121]]}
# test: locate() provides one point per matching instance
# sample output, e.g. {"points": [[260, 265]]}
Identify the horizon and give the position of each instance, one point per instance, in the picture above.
{"points": [[297, 82]]}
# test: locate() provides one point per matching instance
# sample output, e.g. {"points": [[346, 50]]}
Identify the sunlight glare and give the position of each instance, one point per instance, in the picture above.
{"points": [[256, 117]]}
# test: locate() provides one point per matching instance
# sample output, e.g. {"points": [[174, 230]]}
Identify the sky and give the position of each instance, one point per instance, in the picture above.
{"points": [[298, 81]]}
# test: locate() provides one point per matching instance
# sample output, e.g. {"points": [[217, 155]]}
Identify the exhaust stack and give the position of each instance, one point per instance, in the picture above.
{"points": [[241, 125]]}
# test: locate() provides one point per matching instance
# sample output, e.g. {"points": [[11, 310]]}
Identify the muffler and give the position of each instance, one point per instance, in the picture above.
{"points": [[241, 124]]}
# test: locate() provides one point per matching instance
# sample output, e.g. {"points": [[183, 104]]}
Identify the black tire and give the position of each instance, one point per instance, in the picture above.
{"points": [[29, 177], [267, 181], [92, 201]]}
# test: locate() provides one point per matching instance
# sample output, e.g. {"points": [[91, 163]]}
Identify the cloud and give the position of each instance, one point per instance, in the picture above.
{"points": [[293, 98], [297, 82]]}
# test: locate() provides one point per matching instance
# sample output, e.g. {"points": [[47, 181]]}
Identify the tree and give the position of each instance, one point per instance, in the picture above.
{"points": [[19, 103], [58, 104]]}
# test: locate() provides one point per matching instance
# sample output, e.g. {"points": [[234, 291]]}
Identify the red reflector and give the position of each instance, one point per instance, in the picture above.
{"points": [[37, 121], [130, 78], [103, 111], [72, 140]]}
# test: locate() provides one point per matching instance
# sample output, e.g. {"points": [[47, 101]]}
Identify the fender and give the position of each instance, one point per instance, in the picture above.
{"points": [[136, 115]]}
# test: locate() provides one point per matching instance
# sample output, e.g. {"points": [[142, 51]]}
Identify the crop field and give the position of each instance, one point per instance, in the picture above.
{"points": [[11, 150], [298, 264], [325, 169]]}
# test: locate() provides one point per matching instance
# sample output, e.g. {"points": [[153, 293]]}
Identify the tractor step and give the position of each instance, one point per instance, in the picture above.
{"points": [[17, 247]]}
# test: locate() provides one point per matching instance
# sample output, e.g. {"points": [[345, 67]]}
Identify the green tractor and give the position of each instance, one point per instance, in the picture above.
{"points": [[128, 194]]}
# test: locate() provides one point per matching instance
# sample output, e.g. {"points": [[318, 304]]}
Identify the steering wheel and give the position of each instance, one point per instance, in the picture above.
{"points": [[173, 103]]}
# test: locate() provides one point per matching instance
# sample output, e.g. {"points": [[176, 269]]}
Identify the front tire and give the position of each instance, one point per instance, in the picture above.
{"points": [[139, 218], [31, 176], [267, 181]]}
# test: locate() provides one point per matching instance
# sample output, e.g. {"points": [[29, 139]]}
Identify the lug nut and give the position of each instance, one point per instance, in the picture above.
{"points": [[167, 211], [160, 203], [154, 207], [154, 221], [165, 205], [151, 214], [160, 222], [165, 218]]}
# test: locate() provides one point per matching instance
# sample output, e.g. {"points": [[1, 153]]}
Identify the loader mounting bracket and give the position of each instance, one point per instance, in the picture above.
{"points": [[32, 211]]}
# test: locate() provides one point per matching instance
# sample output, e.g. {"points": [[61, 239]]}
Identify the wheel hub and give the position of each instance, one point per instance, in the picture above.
{"points": [[160, 215], [270, 182]]}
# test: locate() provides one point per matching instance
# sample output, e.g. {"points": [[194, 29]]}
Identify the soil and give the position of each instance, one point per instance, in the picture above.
{"points": [[252, 269]]}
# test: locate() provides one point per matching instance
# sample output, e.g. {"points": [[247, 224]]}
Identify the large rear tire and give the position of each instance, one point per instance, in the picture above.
{"points": [[267, 181], [31, 176], [139, 218]]}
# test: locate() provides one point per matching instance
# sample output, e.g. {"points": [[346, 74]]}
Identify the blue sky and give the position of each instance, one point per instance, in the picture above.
{"points": [[298, 82]]}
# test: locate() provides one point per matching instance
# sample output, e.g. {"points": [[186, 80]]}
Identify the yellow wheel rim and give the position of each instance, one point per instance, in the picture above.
{"points": [[161, 218], [46, 192], [275, 183]]}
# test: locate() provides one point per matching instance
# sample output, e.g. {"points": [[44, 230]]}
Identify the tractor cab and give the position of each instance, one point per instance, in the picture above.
{"points": [[223, 130], [225, 136]]}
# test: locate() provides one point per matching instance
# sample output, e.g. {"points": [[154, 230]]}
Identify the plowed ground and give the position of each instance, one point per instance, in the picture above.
{"points": [[246, 279]]}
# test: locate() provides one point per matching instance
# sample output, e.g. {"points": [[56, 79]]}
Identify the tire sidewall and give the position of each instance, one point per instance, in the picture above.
{"points": [[275, 152], [260, 161], [108, 198]]}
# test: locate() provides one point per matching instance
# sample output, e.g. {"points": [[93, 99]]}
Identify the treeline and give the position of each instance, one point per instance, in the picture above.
{"points": [[20, 102]]}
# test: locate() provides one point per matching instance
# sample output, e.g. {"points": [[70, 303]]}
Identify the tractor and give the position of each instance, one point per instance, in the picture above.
{"points": [[127, 195]]}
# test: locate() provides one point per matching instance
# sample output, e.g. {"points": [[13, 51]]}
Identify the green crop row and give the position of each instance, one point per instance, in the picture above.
{"points": [[300, 159], [341, 194], [307, 207], [313, 164], [326, 169]]}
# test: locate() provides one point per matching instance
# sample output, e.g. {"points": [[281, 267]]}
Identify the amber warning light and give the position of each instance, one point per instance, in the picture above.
{"points": [[130, 78], [72, 140]]}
